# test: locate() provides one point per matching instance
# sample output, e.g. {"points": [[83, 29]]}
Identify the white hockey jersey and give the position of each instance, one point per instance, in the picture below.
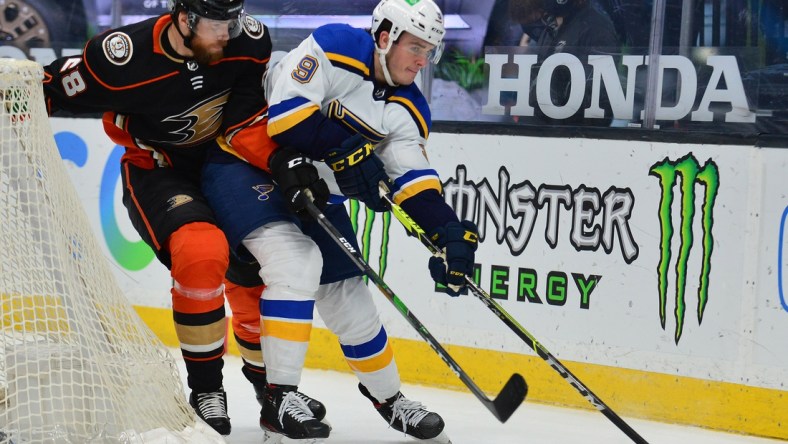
{"points": [[332, 72]]}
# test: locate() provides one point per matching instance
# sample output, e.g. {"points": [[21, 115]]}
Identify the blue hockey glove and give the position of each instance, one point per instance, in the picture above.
{"points": [[458, 241], [296, 176], [358, 171]]}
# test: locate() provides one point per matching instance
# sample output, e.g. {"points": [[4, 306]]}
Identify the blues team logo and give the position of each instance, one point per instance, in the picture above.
{"points": [[264, 190]]}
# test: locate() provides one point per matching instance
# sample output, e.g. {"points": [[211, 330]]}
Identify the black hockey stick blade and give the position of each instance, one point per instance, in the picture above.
{"points": [[511, 396], [415, 230]]}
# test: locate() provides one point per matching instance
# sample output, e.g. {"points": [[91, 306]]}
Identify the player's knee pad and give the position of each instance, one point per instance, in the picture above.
{"points": [[290, 261], [200, 256]]}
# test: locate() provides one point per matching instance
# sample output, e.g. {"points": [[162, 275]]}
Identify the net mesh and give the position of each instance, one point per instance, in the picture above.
{"points": [[76, 362]]}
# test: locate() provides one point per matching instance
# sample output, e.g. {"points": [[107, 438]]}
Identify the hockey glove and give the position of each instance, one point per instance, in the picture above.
{"points": [[297, 177], [358, 171], [458, 241]]}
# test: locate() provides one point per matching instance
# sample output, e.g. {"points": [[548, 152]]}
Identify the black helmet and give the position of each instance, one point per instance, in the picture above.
{"points": [[210, 9], [559, 7]]}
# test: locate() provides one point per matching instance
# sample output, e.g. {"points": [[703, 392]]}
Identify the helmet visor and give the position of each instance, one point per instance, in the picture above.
{"points": [[218, 29], [432, 54]]}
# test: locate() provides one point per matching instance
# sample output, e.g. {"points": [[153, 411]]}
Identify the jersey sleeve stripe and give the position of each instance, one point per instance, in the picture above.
{"points": [[262, 114], [286, 106], [415, 113], [416, 186], [132, 86], [348, 63], [282, 121], [247, 59]]}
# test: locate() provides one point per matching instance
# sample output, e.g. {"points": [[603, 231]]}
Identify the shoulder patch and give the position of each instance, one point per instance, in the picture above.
{"points": [[118, 48], [252, 27]]}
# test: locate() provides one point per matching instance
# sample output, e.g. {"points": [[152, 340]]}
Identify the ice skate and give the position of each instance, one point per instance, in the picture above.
{"points": [[211, 407], [410, 417], [286, 414], [317, 408]]}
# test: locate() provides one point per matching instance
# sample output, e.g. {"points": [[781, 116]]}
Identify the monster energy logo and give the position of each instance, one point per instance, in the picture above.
{"points": [[691, 174], [364, 232]]}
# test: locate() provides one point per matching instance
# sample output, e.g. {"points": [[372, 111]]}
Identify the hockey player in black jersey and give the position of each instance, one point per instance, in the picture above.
{"points": [[169, 88]]}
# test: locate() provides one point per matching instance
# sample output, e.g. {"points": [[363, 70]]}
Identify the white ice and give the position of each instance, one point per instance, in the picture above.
{"points": [[354, 420]]}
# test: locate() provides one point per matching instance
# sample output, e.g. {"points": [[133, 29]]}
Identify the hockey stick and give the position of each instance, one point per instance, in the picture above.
{"points": [[513, 392], [414, 229]]}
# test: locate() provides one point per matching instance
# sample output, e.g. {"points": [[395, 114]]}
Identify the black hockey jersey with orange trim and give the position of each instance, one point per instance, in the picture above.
{"points": [[163, 108]]}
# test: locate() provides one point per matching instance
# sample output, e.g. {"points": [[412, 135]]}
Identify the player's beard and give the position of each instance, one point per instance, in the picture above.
{"points": [[206, 54]]}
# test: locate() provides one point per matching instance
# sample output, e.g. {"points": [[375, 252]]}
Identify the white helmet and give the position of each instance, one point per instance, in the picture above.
{"points": [[421, 18]]}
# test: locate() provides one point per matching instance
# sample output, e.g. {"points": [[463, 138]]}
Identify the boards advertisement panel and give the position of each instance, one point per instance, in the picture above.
{"points": [[666, 263]]}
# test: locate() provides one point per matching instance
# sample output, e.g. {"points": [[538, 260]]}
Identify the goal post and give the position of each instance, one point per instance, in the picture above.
{"points": [[76, 362]]}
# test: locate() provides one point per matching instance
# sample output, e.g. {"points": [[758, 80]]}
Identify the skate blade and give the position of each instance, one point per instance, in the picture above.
{"points": [[443, 438], [270, 437]]}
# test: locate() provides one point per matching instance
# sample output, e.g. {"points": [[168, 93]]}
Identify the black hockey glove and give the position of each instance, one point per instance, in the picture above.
{"points": [[458, 241], [358, 171], [295, 175]]}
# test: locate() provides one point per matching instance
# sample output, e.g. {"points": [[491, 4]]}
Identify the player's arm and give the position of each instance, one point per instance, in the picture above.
{"points": [[246, 128], [417, 189], [71, 86], [416, 186], [296, 90], [108, 76], [245, 119]]}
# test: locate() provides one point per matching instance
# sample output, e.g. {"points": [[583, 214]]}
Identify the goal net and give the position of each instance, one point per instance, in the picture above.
{"points": [[77, 365]]}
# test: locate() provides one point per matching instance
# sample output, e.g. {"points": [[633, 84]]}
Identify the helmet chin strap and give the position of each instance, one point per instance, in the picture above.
{"points": [[187, 41], [382, 58]]}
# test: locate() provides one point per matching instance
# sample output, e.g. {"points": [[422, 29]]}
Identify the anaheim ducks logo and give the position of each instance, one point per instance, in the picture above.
{"points": [[252, 27], [200, 122], [118, 48], [178, 200]]}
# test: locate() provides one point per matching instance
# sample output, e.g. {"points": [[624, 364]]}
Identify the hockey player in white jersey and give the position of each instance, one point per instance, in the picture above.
{"points": [[344, 98], [351, 101]]}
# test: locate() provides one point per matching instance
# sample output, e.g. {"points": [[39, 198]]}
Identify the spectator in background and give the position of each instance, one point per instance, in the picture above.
{"points": [[566, 26], [528, 14], [501, 29], [632, 20]]}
